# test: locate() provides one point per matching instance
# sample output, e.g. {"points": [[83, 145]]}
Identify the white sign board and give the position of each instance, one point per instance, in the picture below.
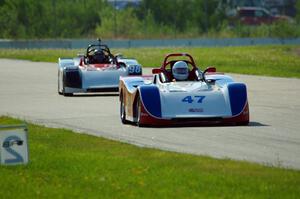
{"points": [[13, 145]]}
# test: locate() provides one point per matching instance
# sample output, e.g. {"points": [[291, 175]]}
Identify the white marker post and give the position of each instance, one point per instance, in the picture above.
{"points": [[13, 145]]}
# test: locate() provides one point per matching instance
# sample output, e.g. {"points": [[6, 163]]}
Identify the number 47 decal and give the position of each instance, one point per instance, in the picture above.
{"points": [[190, 99]]}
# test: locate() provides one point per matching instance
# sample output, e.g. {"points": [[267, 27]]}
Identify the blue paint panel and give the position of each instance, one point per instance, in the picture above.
{"points": [[238, 97], [151, 99]]}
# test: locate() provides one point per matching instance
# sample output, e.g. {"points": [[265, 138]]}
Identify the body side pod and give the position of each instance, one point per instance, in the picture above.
{"points": [[65, 62], [238, 97], [132, 83], [239, 104], [71, 73], [150, 99]]}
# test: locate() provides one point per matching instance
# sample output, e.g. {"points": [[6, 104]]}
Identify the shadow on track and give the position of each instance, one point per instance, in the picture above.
{"points": [[96, 95], [257, 124], [251, 124]]}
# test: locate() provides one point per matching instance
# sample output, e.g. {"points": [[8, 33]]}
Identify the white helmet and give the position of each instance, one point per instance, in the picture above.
{"points": [[180, 70]]}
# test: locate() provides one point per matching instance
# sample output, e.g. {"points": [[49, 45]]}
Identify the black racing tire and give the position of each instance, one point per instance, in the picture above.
{"points": [[122, 110], [138, 107], [60, 93], [67, 94], [63, 90]]}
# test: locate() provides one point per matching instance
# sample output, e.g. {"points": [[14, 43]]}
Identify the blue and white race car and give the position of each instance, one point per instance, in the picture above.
{"points": [[96, 71], [179, 93]]}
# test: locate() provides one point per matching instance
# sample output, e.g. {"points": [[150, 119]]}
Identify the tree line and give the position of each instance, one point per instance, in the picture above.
{"points": [[31, 19]]}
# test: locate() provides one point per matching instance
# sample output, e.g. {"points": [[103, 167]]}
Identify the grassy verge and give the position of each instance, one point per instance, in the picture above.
{"points": [[64, 164], [277, 60]]}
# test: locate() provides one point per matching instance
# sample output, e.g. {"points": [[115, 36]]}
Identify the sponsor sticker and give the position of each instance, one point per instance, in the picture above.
{"points": [[196, 110]]}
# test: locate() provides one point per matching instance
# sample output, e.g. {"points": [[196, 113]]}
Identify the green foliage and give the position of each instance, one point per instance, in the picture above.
{"points": [[49, 18], [298, 11], [31, 19], [182, 16], [277, 30], [283, 30], [123, 23], [64, 164]]}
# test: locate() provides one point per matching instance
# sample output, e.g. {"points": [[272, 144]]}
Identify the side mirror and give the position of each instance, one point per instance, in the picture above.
{"points": [[207, 70], [156, 70], [210, 69]]}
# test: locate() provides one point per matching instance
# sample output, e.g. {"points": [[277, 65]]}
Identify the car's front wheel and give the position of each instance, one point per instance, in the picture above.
{"points": [[138, 108], [122, 110], [58, 84], [63, 88], [68, 94]]}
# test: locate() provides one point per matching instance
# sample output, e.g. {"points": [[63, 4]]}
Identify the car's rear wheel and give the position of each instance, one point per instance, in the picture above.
{"points": [[122, 110]]}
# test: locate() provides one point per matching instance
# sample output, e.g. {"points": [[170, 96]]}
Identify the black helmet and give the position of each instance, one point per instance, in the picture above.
{"points": [[98, 56]]}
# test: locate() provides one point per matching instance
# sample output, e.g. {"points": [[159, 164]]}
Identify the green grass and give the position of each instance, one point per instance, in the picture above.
{"points": [[64, 164], [276, 60]]}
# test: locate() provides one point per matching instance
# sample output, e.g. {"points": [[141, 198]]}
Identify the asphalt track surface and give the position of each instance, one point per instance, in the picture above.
{"points": [[28, 90]]}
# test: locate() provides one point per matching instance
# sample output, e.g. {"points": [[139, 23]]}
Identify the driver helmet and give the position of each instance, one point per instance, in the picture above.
{"points": [[180, 70], [98, 56]]}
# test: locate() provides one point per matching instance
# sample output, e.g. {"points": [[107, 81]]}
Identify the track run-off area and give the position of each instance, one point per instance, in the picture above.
{"points": [[28, 90]]}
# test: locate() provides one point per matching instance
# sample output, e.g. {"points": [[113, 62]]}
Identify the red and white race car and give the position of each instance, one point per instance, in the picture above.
{"points": [[203, 98]]}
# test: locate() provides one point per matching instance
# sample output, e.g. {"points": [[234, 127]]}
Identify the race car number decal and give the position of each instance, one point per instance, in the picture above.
{"points": [[134, 69], [191, 99]]}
